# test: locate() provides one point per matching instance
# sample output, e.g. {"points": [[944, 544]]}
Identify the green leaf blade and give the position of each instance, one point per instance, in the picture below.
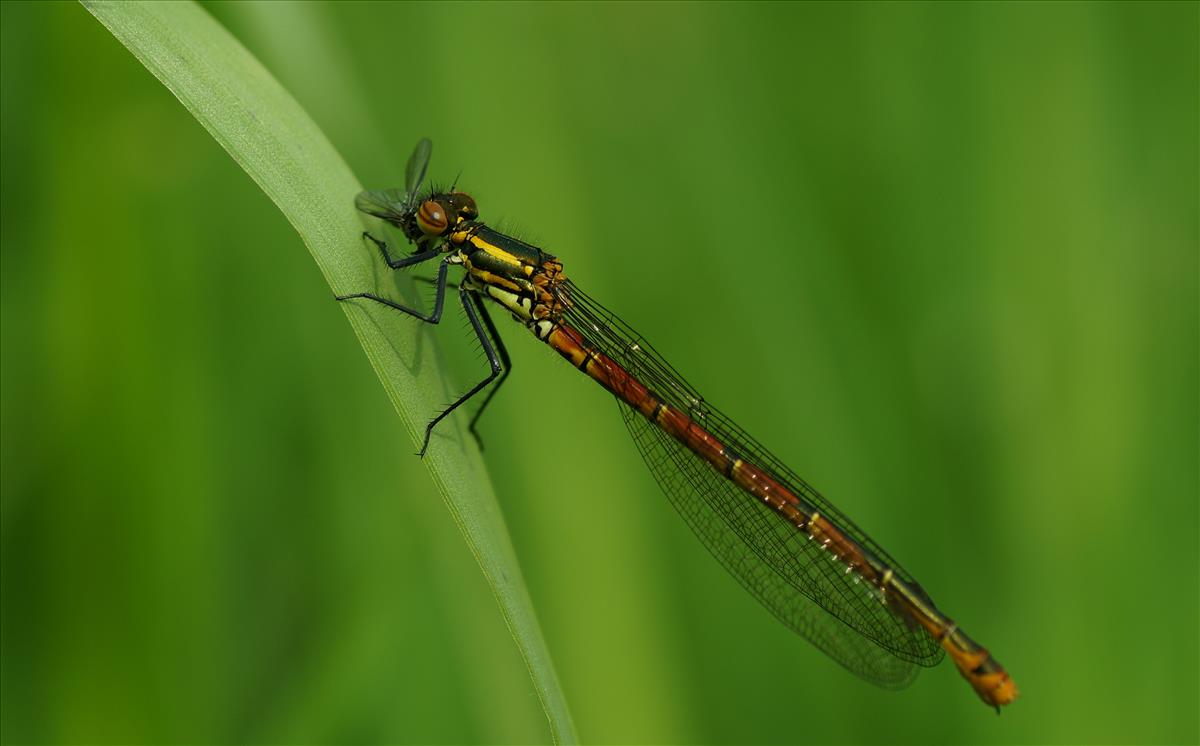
{"points": [[274, 140]]}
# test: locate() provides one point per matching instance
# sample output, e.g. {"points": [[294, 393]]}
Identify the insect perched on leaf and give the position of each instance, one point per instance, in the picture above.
{"points": [[801, 557]]}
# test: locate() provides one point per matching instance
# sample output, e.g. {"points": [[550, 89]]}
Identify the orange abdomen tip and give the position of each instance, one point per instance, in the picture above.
{"points": [[986, 676]]}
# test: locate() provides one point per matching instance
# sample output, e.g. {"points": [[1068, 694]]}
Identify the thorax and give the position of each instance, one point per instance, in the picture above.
{"points": [[519, 276]]}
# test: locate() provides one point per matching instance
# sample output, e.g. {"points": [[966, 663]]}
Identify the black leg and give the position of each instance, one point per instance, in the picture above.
{"points": [[506, 364], [493, 359], [432, 318], [407, 261], [431, 281]]}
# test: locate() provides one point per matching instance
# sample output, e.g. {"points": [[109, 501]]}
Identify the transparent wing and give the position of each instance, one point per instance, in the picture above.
{"points": [[387, 204], [418, 162], [393, 204], [775, 562], [805, 587]]}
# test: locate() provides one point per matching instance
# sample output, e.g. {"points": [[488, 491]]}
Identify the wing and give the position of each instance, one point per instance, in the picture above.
{"points": [[393, 204], [387, 204], [418, 162], [805, 587]]}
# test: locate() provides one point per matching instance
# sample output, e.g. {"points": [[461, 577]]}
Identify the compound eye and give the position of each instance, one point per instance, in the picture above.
{"points": [[431, 218]]}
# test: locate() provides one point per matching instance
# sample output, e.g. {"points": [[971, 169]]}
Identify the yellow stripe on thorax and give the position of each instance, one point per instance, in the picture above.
{"points": [[489, 278], [495, 251]]}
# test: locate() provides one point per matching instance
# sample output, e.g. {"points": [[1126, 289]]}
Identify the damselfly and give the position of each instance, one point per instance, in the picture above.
{"points": [[803, 559]]}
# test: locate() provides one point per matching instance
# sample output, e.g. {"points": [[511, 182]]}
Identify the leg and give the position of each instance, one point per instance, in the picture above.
{"points": [[432, 318], [407, 261], [506, 364], [433, 281], [493, 359]]}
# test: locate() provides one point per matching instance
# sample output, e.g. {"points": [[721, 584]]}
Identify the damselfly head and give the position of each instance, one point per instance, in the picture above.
{"points": [[442, 212], [431, 218], [422, 220], [463, 205]]}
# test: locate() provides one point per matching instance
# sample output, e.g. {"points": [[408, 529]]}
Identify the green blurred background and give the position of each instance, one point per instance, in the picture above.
{"points": [[943, 258]]}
